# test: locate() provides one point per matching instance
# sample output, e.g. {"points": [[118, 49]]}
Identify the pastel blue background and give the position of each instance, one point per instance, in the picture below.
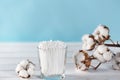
{"points": [[66, 20]]}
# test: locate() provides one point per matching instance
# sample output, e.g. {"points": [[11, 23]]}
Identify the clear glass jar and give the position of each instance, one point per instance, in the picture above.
{"points": [[52, 63]]}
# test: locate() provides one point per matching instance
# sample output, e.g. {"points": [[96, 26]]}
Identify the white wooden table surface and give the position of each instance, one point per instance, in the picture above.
{"points": [[12, 53]]}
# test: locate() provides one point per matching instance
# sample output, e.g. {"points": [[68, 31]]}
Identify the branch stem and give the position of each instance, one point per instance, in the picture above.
{"points": [[112, 41], [113, 45], [97, 66]]}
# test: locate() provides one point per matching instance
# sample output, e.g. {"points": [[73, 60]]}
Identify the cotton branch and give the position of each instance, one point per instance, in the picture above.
{"points": [[113, 45]]}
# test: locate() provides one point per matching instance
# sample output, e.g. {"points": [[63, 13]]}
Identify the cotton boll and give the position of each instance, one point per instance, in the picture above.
{"points": [[84, 46], [23, 74], [118, 54], [81, 60], [25, 69], [96, 31], [31, 66], [104, 31], [97, 55], [102, 53], [97, 38], [88, 42], [113, 60], [117, 59], [78, 57], [107, 56], [116, 67], [30, 71], [119, 64], [24, 63], [91, 42], [18, 68], [83, 67], [102, 49], [85, 37], [101, 33]]}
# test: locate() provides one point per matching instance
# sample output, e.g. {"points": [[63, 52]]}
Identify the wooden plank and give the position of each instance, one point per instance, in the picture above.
{"points": [[12, 53], [71, 73]]}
